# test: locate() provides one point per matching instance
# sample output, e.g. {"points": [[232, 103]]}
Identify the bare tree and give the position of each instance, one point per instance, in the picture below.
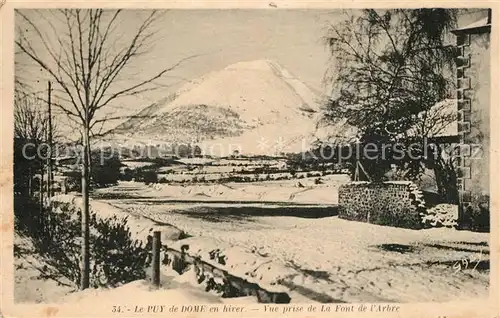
{"points": [[29, 134], [30, 139], [86, 58], [29, 118]]}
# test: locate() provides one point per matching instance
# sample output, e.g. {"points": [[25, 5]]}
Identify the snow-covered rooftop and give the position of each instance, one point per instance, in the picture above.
{"points": [[484, 22]]}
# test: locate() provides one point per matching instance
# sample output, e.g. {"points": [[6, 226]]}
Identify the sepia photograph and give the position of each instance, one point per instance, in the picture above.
{"points": [[251, 156]]}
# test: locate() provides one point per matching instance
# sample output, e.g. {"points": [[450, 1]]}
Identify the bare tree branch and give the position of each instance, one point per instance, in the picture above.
{"points": [[88, 62]]}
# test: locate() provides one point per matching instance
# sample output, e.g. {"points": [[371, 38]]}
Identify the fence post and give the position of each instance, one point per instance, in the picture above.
{"points": [[156, 258]]}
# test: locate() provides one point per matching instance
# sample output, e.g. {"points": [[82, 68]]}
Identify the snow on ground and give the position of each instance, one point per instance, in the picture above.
{"points": [[29, 287], [136, 164], [33, 286], [325, 259], [176, 293], [176, 289], [270, 191]]}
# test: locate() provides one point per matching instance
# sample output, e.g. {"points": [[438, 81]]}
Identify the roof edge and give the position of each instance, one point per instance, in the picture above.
{"points": [[480, 26], [474, 30]]}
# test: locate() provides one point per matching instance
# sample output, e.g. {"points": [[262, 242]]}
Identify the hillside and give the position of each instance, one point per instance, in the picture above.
{"points": [[256, 107]]}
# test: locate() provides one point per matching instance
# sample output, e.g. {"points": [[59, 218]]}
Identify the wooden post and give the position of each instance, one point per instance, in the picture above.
{"points": [[156, 258]]}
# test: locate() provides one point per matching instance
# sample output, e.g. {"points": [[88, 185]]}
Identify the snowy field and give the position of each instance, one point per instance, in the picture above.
{"points": [[273, 234], [305, 247]]}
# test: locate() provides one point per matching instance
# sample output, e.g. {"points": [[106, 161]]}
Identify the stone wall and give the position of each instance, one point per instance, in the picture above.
{"points": [[398, 204], [473, 95]]}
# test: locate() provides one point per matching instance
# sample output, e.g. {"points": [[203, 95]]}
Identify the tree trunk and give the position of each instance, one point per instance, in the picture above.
{"points": [[439, 183], [89, 154], [452, 188], [85, 269], [446, 181], [50, 176], [49, 180], [41, 216], [30, 183]]}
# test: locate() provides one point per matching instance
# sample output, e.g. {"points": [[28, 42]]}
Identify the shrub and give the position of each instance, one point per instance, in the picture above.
{"points": [[27, 216], [147, 176], [103, 176], [441, 215], [115, 257], [105, 170], [477, 216], [127, 175], [163, 180], [74, 180]]}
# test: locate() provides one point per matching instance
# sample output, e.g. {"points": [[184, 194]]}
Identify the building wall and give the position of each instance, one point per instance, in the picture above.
{"points": [[473, 94], [397, 204]]}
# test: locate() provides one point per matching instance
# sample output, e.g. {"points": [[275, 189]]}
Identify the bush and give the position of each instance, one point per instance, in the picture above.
{"points": [[163, 180], [115, 257], [127, 175], [441, 215], [74, 180], [27, 216], [102, 174], [105, 170], [147, 176], [477, 217]]}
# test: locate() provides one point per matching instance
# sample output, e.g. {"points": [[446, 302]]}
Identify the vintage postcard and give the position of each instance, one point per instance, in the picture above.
{"points": [[165, 159]]}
